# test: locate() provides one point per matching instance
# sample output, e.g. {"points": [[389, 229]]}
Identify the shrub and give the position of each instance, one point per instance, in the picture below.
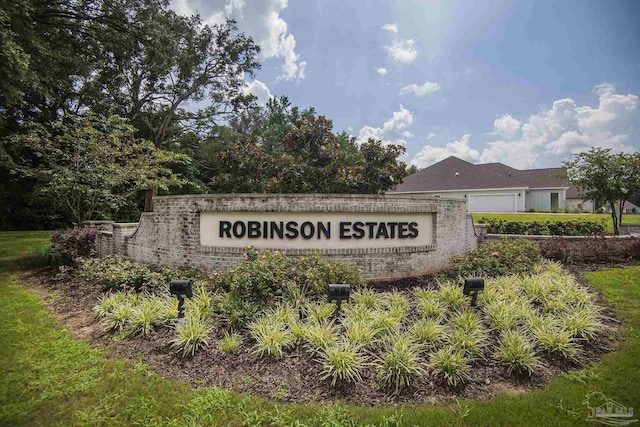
{"points": [[265, 276], [191, 335], [121, 273], [342, 361], [451, 365], [237, 313], [229, 343], [574, 227], [508, 256], [517, 353], [73, 243], [400, 363], [272, 337], [46, 256], [595, 250]]}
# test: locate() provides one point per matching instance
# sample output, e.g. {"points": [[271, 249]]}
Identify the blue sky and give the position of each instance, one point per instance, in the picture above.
{"points": [[525, 83]]}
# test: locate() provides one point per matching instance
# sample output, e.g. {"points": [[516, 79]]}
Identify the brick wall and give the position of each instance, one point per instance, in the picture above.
{"points": [[171, 234]]}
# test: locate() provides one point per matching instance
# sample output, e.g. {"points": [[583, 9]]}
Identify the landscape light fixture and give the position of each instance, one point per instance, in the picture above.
{"points": [[181, 288], [473, 286], [338, 293]]}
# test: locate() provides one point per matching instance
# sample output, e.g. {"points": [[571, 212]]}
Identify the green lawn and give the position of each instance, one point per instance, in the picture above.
{"points": [[626, 218], [49, 378]]}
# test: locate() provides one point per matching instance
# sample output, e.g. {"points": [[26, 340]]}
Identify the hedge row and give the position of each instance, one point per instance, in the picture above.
{"points": [[594, 250], [574, 227]]}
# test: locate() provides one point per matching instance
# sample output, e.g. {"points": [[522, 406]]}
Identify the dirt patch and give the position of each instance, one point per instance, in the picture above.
{"points": [[296, 377]]}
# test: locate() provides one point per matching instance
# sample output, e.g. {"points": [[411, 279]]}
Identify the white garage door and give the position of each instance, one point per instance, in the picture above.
{"points": [[492, 203]]}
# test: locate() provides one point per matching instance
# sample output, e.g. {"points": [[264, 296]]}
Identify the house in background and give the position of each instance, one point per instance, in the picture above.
{"points": [[576, 204], [491, 187]]}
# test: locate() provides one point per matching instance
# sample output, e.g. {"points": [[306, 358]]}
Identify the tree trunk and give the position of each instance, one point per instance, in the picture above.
{"points": [[614, 217], [148, 199]]}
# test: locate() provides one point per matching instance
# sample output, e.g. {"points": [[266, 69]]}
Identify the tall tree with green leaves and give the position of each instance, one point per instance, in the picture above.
{"points": [[606, 177], [92, 168]]}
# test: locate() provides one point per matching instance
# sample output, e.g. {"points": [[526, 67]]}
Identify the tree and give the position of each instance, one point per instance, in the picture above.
{"points": [[132, 58], [280, 148], [91, 168], [606, 177]]}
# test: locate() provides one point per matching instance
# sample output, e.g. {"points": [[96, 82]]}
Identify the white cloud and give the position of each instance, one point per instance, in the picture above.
{"points": [[431, 154], [430, 136], [403, 51], [259, 19], [506, 127], [259, 90], [382, 71], [392, 28], [550, 137], [393, 131], [400, 50], [420, 90]]}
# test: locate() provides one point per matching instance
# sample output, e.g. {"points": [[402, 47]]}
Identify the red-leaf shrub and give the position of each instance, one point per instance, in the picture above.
{"points": [[72, 243], [593, 250]]}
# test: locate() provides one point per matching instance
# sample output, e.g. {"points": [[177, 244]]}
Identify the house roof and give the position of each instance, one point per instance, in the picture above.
{"points": [[573, 192], [532, 178], [453, 174]]}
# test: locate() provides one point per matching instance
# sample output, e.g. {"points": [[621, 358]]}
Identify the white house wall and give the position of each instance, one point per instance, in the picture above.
{"points": [[580, 205], [540, 200], [519, 205]]}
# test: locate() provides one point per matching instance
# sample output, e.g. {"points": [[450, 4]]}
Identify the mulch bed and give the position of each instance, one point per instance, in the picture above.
{"points": [[295, 377]]}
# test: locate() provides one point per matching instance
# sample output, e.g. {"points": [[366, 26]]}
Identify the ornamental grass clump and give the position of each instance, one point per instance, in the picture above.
{"points": [[583, 323], [517, 352], [428, 305], [360, 333], [555, 339], [428, 332], [342, 362], [386, 322], [400, 363], [451, 365], [467, 320], [470, 343], [107, 303], [116, 309], [191, 335], [318, 336], [272, 337], [229, 343], [368, 298], [450, 294], [145, 317], [320, 312], [502, 315], [396, 303]]}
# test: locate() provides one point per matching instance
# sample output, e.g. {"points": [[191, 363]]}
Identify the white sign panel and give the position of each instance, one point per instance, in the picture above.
{"points": [[315, 230]]}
